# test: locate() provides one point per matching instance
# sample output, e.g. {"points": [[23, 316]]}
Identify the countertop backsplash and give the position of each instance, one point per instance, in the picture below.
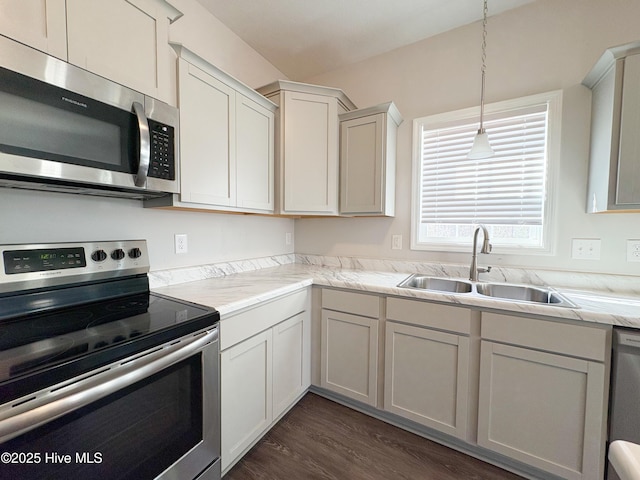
{"points": [[625, 285]]}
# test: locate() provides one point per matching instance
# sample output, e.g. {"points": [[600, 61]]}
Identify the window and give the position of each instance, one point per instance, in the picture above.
{"points": [[508, 193]]}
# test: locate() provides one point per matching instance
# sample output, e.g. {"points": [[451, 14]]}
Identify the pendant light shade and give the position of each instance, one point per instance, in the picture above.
{"points": [[481, 147]]}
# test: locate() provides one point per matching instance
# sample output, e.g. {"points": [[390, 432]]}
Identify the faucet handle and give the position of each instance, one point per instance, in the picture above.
{"points": [[484, 269]]}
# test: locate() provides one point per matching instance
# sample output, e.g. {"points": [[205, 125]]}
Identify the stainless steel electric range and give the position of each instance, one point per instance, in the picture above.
{"points": [[99, 377]]}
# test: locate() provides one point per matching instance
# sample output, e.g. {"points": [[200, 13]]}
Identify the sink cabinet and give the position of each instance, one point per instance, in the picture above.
{"points": [[543, 393], [349, 344], [614, 170], [428, 374]]}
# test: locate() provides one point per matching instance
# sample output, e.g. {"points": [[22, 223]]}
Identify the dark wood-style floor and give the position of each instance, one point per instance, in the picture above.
{"points": [[320, 439]]}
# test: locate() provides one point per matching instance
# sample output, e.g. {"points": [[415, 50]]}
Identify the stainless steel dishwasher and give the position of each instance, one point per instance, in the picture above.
{"points": [[624, 416]]}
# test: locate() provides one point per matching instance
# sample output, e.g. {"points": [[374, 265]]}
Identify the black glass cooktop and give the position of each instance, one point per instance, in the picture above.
{"points": [[49, 347]]}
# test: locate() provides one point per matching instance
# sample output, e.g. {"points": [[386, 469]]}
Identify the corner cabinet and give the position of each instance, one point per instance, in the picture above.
{"points": [[543, 394], [265, 368], [614, 169], [349, 344], [368, 160], [428, 375], [226, 141], [307, 158]]}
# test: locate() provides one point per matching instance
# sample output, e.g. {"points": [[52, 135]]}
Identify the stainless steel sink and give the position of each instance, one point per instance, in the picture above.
{"points": [[424, 282], [523, 293]]}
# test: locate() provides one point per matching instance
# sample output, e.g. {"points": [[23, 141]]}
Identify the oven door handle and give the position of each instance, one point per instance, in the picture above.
{"points": [[144, 151], [54, 402]]}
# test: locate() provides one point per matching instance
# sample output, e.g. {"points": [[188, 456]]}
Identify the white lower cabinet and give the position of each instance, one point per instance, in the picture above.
{"points": [[427, 365], [426, 377], [246, 386], [291, 361], [262, 375], [545, 409], [349, 345]]}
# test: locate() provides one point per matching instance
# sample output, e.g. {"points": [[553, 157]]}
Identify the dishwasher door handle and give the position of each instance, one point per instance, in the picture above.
{"points": [[627, 339]]}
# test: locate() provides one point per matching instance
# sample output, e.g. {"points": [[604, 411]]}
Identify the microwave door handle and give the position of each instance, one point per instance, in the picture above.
{"points": [[145, 145]]}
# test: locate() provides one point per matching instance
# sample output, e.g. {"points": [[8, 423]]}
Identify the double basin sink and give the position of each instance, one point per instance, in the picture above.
{"points": [[502, 291]]}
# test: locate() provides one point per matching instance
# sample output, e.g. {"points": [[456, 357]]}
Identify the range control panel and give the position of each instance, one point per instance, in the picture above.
{"points": [[38, 265]]}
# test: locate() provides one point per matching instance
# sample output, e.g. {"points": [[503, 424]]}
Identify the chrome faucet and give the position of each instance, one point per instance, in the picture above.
{"points": [[486, 248]]}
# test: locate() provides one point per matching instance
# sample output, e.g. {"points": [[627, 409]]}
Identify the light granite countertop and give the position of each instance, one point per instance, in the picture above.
{"points": [[233, 292]]}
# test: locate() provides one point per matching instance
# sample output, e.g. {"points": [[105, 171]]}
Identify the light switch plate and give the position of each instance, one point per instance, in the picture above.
{"points": [[585, 248]]}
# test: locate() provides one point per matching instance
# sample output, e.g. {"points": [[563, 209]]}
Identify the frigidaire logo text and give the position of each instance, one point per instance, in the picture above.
{"points": [[75, 102]]}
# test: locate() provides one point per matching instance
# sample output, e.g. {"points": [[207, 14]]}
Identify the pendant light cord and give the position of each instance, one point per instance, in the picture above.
{"points": [[484, 63]]}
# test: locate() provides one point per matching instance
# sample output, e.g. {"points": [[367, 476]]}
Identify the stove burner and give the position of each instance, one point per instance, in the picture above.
{"points": [[129, 304], [64, 319]]}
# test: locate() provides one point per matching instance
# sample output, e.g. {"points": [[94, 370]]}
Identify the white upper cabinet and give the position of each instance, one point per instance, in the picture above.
{"points": [[207, 129], [614, 169], [41, 24], [368, 160], [227, 140], [307, 160], [123, 40]]}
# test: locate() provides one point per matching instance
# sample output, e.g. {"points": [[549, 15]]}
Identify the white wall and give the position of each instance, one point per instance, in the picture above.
{"points": [[543, 46], [40, 217]]}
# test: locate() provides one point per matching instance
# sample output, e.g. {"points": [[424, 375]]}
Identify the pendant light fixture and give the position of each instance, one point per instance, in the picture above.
{"points": [[481, 147]]}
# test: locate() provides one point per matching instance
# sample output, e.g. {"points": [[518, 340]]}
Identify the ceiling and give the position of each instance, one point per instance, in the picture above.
{"points": [[303, 38]]}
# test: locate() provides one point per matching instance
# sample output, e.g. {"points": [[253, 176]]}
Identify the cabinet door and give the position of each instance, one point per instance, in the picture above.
{"points": [[361, 165], [254, 155], [349, 355], [543, 409], [310, 153], [426, 377], [123, 40], [41, 24], [628, 191], [207, 133], [291, 361], [246, 394]]}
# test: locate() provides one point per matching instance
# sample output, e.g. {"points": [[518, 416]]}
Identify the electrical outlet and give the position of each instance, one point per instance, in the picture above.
{"points": [[288, 238], [585, 248], [633, 250], [396, 242], [181, 243]]}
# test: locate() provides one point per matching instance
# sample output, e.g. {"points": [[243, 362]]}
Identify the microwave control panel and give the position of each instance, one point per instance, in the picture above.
{"points": [[162, 156]]}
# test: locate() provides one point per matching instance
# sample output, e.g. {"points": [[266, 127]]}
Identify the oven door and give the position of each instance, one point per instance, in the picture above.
{"points": [[155, 415]]}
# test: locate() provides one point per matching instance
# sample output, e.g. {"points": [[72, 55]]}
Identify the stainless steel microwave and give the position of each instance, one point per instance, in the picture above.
{"points": [[65, 129]]}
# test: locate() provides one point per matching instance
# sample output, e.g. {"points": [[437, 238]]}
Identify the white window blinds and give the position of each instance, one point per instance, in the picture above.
{"points": [[507, 189]]}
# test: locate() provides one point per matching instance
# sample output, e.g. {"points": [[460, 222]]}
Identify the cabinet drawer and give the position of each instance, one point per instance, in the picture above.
{"points": [[442, 317], [236, 328], [576, 340], [357, 303]]}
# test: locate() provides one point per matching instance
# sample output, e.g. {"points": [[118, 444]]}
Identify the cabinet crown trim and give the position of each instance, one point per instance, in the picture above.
{"points": [[193, 58], [389, 108], [278, 85], [607, 60]]}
